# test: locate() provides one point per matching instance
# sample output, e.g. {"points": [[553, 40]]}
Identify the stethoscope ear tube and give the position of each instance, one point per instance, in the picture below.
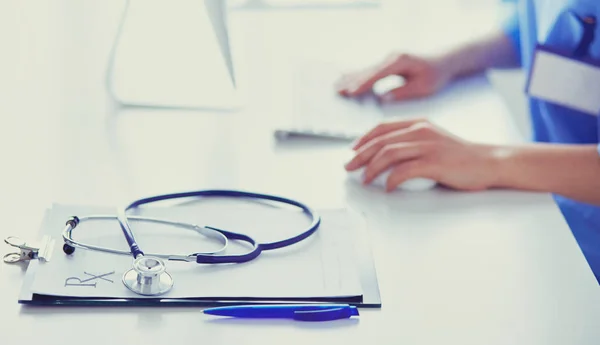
{"points": [[71, 244]]}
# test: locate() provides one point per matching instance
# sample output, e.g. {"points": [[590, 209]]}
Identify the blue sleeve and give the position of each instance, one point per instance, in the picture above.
{"points": [[512, 30]]}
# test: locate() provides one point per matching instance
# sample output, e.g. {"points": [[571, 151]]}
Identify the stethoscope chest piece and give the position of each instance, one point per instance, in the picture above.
{"points": [[148, 277]]}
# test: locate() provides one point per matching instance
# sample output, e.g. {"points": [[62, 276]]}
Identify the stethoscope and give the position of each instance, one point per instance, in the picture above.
{"points": [[148, 276]]}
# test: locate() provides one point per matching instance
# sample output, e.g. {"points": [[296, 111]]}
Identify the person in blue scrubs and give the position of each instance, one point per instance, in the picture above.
{"points": [[564, 158]]}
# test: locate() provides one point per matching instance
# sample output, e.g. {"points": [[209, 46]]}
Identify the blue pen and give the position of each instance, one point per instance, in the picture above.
{"points": [[300, 312]]}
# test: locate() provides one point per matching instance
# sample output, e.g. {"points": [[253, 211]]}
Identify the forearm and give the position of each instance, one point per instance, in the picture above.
{"points": [[494, 51], [572, 171]]}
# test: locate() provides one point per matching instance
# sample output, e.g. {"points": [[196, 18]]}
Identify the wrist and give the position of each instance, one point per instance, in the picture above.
{"points": [[460, 62], [446, 67], [499, 160], [493, 51]]}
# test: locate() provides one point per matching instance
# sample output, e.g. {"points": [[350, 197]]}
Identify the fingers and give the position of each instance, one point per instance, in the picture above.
{"points": [[384, 128], [391, 155], [408, 91], [360, 83], [370, 150], [342, 84], [418, 168]]}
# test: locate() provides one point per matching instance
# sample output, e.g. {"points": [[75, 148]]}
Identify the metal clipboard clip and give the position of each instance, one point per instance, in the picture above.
{"points": [[28, 252]]}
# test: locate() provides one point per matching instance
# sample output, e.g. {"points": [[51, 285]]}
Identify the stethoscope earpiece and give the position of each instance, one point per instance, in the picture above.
{"points": [[68, 249]]}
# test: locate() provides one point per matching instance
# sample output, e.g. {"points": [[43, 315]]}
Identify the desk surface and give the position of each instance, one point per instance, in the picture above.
{"points": [[495, 267]]}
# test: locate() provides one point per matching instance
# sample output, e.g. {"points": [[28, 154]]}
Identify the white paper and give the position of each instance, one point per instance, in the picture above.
{"points": [[565, 81], [321, 266]]}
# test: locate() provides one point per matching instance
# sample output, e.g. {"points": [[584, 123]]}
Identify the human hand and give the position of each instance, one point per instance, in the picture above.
{"points": [[419, 149], [422, 77]]}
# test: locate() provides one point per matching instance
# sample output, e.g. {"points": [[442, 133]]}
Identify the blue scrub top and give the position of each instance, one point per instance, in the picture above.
{"points": [[555, 24]]}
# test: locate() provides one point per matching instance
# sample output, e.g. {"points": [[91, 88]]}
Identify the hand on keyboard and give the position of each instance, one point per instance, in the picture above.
{"points": [[422, 77]]}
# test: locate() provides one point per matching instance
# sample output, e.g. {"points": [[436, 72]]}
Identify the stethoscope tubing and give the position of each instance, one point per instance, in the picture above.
{"points": [[257, 247], [221, 235]]}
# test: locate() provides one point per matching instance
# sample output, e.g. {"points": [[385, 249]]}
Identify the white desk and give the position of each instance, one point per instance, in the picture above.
{"points": [[454, 268]]}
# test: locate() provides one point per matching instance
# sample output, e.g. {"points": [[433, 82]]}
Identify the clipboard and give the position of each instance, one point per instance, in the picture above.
{"points": [[363, 258]]}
